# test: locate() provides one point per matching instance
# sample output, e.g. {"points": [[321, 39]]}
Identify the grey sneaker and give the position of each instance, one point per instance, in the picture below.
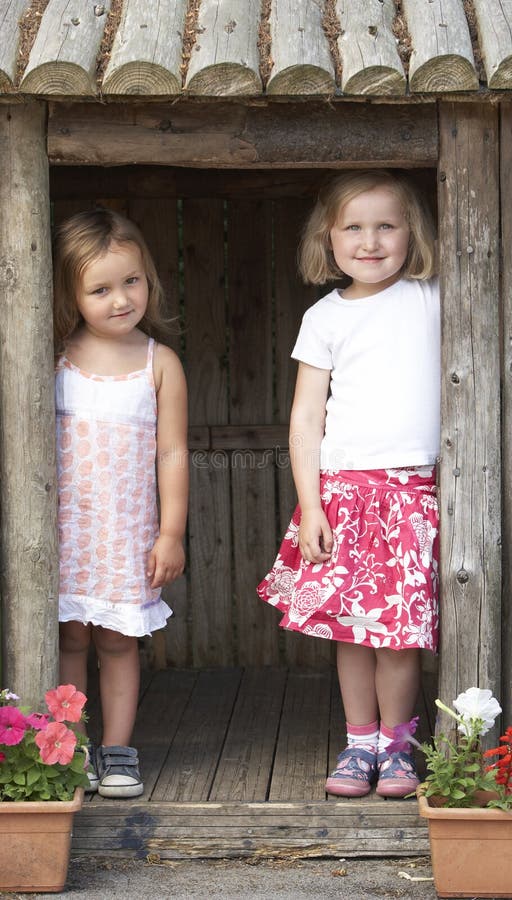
{"points": [[92, 770], [118, 770]]}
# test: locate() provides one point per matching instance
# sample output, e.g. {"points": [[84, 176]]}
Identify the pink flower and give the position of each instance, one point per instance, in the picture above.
{"points": [[65, 703], [12, 725], [39, 721], [56, 744], [403, 737]]}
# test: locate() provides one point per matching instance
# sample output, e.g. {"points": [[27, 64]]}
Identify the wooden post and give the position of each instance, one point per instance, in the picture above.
{"points": [[27, 447], [506, 245], [470, 437]]}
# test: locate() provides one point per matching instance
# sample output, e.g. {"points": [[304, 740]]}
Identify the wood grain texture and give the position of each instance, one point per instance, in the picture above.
{"points": [[302, 63], [367, 46], [494, 18], [470, 435], [223, 135], [506, 401], [225, 58], [206, 347], [30, 569], [146, 54], [442, 56], [63, 57], [10, 15]]}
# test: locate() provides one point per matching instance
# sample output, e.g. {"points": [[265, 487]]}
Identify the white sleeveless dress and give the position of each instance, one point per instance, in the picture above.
{"points": [[108, 517]]}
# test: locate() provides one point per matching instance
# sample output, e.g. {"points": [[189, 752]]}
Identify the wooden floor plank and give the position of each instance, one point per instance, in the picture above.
{"points": [[195, 749], [246, 761], [302, 749]]}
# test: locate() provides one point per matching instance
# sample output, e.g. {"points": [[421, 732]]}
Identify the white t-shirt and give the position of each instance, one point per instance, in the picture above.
{"points": [[383, 353]]}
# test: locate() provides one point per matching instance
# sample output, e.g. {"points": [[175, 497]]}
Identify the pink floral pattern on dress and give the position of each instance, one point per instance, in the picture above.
{"points": [[108, 520], [380, 586]]}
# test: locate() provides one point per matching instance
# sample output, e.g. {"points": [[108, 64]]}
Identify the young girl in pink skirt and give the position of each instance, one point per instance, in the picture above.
{"points": [[358, 564]]}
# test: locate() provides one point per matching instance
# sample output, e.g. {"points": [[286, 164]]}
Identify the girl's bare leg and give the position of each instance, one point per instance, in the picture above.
{"points": [[118, 657], [397, 681], [356, 673], [74, 640]]}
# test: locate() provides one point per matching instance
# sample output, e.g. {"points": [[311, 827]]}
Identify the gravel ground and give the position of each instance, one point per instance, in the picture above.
{"points": [[357, 879]]}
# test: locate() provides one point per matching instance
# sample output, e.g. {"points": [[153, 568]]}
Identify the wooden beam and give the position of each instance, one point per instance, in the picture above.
{"points": [[225, 57], [470, 437], [231, 135], [27, 450], [301, 60], [442, 58], [506, 400], [10, 14]]}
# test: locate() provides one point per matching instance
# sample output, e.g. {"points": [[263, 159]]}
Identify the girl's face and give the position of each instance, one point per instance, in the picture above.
{"points": [[370, 240], [113, 292]]}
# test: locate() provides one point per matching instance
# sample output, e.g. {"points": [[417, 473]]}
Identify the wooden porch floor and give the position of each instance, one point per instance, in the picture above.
{"points": [[234, 762]]}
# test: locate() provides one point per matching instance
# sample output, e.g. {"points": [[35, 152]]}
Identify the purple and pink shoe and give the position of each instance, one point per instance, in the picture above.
{"points": [[355, 772], [397, 775]]}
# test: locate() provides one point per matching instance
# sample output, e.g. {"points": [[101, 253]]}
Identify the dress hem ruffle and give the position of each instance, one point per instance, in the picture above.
{"points": [[130, 620]]}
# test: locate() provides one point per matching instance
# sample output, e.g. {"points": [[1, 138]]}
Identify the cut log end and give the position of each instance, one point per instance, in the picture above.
{"points": [[5, 83], [376, 80], [501, 79], [141, 78], [66, 79], [301, 80], [223, 80], [444, 74]]}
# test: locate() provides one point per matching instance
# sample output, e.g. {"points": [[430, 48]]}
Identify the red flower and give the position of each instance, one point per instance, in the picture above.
{"points": [[65, 703], [56, 744], [2, 757], [12, 725]]}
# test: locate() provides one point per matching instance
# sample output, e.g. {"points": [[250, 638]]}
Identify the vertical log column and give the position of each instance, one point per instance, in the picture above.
{"points": [[506, 244], [470, 436], [27, 447]]}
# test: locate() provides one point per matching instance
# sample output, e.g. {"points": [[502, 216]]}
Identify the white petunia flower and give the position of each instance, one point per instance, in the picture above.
{"points": [[476, 704]]}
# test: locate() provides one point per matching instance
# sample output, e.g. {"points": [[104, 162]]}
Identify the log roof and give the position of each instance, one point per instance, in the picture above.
{"points": [[233, 48]]}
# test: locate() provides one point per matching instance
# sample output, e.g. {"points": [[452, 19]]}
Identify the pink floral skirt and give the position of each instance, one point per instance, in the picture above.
{"points": [[380, 586]]}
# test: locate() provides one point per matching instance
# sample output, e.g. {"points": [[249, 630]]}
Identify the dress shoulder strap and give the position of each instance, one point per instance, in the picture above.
{"points": [[149, 361]]}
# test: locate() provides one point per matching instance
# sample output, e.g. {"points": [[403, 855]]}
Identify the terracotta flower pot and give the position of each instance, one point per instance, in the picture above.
{"points": [[35, 843], [471, 850]]}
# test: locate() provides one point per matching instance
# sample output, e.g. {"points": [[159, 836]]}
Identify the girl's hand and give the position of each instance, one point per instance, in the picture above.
{"points": [[166, 560], [315, 536]]}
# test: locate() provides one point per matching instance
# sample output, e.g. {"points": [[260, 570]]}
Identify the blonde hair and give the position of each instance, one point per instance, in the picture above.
{"points": [[79, 241], [316, 260]]}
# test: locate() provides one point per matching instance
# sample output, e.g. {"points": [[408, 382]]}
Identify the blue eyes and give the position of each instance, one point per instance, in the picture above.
{"points": [[385, 227], [133, 279]]}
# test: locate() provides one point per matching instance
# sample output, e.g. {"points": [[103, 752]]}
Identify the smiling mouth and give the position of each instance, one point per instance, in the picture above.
{"points": [[121, 315]]}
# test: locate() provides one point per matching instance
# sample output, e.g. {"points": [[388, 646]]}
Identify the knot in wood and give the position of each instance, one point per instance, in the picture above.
{"points": [[454, 378], [8, 272], [462, 576]]}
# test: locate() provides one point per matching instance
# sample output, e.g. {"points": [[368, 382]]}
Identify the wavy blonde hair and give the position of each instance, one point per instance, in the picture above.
{"points": [[79, 241], [316, 259]]}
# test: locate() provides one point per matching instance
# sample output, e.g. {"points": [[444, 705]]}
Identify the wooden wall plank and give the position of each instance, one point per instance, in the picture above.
{"points": [[506, 401], [210, 518], [494, 19], [313, 134], [250, 399], [225, 58], [470, 437], [146, 54], [63, 57], [11, 12], [28, 529], [442, 56], [367, 46], [300, 52]]}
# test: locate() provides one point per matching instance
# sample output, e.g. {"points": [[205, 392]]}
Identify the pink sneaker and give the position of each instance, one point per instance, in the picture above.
{"points": [[397, 775], [356, 770]]}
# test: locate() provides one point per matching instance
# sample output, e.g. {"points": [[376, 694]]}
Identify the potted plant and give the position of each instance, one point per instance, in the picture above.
{"points": [[467, 799], [43, 760]]}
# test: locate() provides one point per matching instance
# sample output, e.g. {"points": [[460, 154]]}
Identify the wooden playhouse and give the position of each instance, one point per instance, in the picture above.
{"points": [[212, 123]]}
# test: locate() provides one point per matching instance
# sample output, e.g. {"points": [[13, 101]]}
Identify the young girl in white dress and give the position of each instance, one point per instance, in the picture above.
{"points": [[358, 564], [121, 435]]}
